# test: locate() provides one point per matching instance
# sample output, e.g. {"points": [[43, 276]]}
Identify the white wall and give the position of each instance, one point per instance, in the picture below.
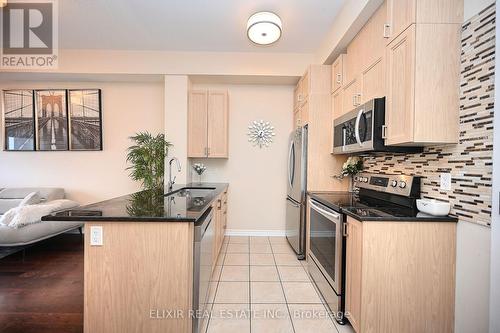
{"points": [[176, 105], [91, 176], [257, 176], [473, 278]]}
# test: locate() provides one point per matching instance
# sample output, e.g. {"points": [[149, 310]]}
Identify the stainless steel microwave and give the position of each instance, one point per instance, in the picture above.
{"points": [[361, 130]]}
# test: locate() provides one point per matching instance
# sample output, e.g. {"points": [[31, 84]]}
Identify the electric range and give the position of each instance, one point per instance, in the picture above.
{"points": [[378, 198]]}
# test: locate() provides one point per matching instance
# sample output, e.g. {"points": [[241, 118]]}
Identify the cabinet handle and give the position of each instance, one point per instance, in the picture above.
{"points": [[353, 100], [384, 132], [387, 33], [208, 151], [339, 78], [219, 202], [359, 101], [344, 231]]}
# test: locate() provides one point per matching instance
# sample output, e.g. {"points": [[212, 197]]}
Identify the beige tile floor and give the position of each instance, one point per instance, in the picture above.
{"points": [[259, 285]]}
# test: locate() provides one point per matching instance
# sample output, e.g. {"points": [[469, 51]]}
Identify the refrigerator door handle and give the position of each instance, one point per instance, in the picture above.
{"points": [[291, 164], [293, 203]]}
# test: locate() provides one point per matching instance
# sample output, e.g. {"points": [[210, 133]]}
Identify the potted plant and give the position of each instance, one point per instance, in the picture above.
{"points": [[147, 157], [351, 167], [199, 168]]}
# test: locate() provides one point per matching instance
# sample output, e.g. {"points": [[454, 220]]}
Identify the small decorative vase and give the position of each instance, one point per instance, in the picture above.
{"points": [[200, 175], [351, 183]]}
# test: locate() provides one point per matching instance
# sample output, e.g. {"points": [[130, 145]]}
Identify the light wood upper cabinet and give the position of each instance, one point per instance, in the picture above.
{"points": [[218, 124], [316, 80], [304, 114], [423, 85], [400, 88], [354, 256], [403, 13], [197, 123], [338, 72], [373, 81], [208, 124], [337, 109], [351, 97]]}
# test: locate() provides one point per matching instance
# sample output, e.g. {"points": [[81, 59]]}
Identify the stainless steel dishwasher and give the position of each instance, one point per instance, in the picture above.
{"points": [[202, 268]]}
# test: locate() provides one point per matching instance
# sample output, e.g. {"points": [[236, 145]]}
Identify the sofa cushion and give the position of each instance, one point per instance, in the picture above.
{"points": [[33, 232], [7, 204], [31, 199], [46, 193]]}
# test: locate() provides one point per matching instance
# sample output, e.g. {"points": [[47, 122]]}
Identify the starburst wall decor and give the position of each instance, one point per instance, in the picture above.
{"points": [[261, 133]]}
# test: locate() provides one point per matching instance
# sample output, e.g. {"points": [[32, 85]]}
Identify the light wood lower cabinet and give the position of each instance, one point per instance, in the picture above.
{"points": [[141, 270], [354, 247], [400, 276], [220, 219]]}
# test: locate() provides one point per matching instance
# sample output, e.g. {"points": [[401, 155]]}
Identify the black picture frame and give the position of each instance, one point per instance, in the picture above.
{"points": [[85, 119], [51, 119], [19, 120]]}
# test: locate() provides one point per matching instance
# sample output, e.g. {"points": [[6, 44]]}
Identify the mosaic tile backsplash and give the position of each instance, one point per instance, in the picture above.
{"points": [[469, 161]]}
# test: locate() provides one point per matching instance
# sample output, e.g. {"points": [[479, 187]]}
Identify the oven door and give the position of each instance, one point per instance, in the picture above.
{"points": [[353, 132], [326, 242]]}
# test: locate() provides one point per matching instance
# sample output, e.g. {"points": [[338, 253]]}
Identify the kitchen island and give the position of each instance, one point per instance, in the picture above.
{"points": [[144, 268]]}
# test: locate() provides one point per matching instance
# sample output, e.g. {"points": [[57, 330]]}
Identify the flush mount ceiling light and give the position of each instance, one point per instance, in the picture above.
{"points": [[264, 28]]}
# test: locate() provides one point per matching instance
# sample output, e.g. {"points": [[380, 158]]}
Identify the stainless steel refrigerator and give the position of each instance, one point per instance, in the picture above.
{"points": [[296, 194]]}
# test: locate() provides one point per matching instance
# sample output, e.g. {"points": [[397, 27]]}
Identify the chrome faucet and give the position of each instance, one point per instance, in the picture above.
{"points": [[171, 181]]}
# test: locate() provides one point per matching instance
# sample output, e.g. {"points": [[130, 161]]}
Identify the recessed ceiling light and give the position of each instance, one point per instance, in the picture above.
{"points": [[264, 28]]}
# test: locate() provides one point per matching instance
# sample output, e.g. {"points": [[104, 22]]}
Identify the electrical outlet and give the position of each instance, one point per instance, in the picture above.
{"points": [[445, 181], [96, 236]]}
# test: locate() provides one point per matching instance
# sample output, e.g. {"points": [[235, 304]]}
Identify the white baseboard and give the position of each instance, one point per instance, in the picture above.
{"points": [[261, 233]]}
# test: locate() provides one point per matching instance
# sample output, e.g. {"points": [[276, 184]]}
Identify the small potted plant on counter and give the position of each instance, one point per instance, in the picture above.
{"points": [[351, 167], [199, 168]]}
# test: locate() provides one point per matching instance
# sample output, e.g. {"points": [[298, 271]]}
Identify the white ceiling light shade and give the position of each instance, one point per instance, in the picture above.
{"points": [[264, 28]]}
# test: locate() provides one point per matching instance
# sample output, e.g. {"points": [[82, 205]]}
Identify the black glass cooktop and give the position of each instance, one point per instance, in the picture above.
{"points": [[370, 209]]}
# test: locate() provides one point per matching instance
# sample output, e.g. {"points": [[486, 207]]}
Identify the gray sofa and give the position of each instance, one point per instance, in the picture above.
{"points": [[11, 197]]}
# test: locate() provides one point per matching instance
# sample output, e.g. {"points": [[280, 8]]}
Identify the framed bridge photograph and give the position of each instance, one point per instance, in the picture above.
{"points": [[19, 120], [51, 120], [85, 119]]}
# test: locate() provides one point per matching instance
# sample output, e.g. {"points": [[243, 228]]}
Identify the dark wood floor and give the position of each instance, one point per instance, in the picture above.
{"points": [[43, 292]]}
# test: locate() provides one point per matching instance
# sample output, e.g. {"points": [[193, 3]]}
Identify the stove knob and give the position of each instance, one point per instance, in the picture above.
{"points": [[402, 184], [356, 178], [394, 183]]}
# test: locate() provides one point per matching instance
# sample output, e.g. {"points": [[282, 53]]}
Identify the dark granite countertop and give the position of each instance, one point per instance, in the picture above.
{"points": [[360, 209], [148, 206]]}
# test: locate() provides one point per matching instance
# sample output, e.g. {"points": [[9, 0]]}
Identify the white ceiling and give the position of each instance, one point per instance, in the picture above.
{"points": [[190, 25]]}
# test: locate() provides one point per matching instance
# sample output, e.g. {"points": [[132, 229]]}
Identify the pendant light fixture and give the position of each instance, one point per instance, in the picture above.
{"points": [[264, 28]]}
